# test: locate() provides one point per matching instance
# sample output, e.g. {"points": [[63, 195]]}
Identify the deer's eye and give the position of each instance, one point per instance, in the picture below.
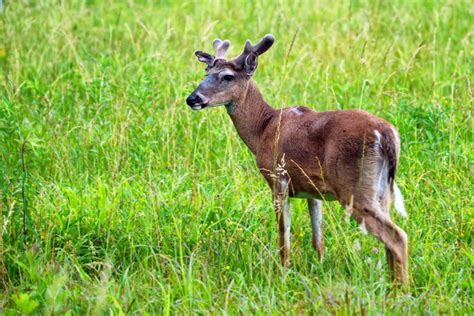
{"points": [[228, 77]]}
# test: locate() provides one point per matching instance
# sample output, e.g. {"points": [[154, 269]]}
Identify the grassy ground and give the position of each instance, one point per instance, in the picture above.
{"points": [[116, 197]]}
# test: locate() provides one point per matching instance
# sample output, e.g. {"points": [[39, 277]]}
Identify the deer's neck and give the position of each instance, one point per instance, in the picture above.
{"points": [[251, 115]]}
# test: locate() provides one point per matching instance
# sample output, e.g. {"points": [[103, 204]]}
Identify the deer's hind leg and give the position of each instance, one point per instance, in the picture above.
{"points": [[316, 215], [393, 237], [385, 201]]}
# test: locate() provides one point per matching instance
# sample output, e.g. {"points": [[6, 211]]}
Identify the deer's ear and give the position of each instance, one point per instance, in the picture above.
{"points": [[205, 58], [251, 62]]}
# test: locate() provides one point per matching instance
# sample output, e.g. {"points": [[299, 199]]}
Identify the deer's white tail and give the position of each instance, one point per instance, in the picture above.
{"points": [[398, 201]]}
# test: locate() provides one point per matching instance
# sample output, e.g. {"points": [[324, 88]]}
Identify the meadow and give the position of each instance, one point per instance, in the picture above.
{"points": [[115, 197]]}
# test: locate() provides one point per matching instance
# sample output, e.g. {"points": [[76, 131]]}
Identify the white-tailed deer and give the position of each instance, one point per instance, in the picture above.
{"points": [[350, 156]]}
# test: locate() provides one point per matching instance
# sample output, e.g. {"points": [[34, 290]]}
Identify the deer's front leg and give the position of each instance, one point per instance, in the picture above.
{"points": [[316, 214], [282, 210]]}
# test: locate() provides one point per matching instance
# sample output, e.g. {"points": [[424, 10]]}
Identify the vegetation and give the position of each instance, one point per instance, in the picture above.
{"points": [[117, 198]]}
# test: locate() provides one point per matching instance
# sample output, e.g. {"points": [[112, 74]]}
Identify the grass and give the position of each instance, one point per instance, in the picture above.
{"points": [[117, 198]]}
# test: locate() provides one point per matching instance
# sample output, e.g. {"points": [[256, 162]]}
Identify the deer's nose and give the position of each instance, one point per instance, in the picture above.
{"points": [[192, 100]]}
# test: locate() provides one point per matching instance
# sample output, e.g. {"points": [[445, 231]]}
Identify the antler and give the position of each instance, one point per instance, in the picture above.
{"points": [[258, 49], [221, 48]]}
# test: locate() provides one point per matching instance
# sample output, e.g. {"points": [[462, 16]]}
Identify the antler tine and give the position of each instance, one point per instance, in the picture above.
{"points": [[259, 48], [262, 46], [221, 48]]}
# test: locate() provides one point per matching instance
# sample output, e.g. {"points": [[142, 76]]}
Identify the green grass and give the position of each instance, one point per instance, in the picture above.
{"points": [[116, 197]]}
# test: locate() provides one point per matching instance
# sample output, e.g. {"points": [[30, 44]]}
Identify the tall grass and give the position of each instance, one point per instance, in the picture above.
{"points": [[115, 197]]}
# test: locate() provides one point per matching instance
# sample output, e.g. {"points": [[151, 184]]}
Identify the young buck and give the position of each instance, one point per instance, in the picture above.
{"points": [[350, 156]]}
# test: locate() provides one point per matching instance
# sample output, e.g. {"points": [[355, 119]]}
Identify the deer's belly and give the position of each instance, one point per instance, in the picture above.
{"points": [[313, 195]]}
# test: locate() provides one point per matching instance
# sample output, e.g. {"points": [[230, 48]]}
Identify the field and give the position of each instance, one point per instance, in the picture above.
{"points": [[117, 198]]}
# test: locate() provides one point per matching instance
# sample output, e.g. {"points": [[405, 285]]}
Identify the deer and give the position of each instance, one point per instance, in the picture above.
{"points": [[346, 155]]}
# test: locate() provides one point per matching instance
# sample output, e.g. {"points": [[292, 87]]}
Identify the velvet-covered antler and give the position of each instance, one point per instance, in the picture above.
{"points": [[221, 48], [257, 49]]}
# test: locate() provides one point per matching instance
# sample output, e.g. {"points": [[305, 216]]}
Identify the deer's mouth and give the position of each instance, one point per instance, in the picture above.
{"points": [[198, 107], [197, 101]]}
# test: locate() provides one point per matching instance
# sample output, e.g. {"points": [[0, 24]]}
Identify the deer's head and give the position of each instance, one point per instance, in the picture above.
{"points": [[226, 79]]}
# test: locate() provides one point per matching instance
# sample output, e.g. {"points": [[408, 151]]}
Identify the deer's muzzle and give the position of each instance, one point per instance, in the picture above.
{"points": [[196, 101]]}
